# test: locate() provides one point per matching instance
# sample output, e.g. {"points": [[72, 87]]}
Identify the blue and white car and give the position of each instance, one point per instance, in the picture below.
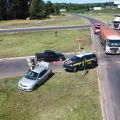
{"points": [[35, 77]]}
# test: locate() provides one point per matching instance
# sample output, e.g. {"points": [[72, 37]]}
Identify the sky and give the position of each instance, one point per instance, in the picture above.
{"points": [[78, 1]]}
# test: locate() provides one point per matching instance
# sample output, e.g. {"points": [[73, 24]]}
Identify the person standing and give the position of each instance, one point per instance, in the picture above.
{"points": [[33, 63]]}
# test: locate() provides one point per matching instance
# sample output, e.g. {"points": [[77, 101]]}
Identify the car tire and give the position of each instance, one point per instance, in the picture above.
{"points": [[75, 69], [93, 65], [60, 59], [35, 87]]}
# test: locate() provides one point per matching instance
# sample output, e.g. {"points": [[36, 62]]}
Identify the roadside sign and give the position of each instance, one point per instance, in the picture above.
{"points": [[79, 40]]}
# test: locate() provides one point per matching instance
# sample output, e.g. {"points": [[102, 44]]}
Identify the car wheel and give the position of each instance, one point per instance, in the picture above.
{"points": [[93, 65], [35, 87], [75, 69], [60, 59]]}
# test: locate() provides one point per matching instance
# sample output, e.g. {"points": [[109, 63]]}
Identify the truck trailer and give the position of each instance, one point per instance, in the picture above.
{"points": [[110, 39]]}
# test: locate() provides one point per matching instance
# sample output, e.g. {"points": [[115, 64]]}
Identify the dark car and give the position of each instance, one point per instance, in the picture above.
{"points": [[49, 56], [81, 62]]}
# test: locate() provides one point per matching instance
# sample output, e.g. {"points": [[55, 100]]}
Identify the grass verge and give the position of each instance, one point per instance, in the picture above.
{"points": [[28, 43], [66, 96], [107, 18], [52, 21]]}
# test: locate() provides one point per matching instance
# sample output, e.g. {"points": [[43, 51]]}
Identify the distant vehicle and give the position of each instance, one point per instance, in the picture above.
{"points": [[35, 77], [116, 22], [97, 8], [97, 28], [50, 56], [110, 39], [81, 62]]}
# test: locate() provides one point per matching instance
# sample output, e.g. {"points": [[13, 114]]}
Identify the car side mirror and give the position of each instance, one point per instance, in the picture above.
{"points": [[38, 79]]}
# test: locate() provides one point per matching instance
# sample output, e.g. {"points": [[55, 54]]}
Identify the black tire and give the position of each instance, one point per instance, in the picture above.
{"points": [[35, 87], [93, 65], [75, 69], [60, 59]]}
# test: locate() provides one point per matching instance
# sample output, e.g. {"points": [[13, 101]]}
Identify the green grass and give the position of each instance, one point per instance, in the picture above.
{"points": [[108, 18], [71, 22], [28, 43], [66, 96], [23, 23], [109, 11], [52, 21], [105, 15]]}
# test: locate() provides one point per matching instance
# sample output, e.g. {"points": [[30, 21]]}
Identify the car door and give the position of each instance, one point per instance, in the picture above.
{"points": [[94, 60], [42, 76], [88, 61], [51, 56], [81, 65]]}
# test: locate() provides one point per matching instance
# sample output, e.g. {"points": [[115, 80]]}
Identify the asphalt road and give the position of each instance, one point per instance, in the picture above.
{"points": [[31, 29], [108, 71], [109, 79], [18, 66]]}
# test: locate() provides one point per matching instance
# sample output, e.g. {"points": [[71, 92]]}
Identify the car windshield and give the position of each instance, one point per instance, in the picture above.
{"points": [[116, 22], [114, 43], [75, 58], [31, 75], [97, 27]]}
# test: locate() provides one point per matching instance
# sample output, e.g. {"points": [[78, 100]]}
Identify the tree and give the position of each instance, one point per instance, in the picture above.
{"points": [[37, 9], [49, 7], [20, 8]]}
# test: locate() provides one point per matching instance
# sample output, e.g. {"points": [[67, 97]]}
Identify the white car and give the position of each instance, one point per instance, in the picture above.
{"points": [[35, 77]]}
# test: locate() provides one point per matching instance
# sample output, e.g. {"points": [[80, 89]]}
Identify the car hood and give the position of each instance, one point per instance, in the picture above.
{"points": [[60, 54], [39, 54], [27, 82], [68, 62]]}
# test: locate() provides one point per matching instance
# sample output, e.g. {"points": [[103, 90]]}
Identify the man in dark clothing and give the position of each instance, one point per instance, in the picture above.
{"points": [[33, 63]]}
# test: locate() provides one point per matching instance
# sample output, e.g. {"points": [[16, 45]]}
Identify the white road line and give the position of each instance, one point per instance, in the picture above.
{"points": [[99, 83]]}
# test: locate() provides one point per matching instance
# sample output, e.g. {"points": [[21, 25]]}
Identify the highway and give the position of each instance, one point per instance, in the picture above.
{"points": [[109, 79], [31, 29], [109, 68], [108, 72]]}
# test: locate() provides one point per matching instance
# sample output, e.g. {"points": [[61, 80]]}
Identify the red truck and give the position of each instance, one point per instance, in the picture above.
{"points": [[110, 39], [97, 28]]}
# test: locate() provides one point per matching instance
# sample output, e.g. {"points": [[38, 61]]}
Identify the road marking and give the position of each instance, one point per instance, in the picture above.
{"points": [[98, 74], [108, 62]]}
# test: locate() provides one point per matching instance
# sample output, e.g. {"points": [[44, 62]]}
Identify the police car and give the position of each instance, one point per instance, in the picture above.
{"points": [[81, 62]]}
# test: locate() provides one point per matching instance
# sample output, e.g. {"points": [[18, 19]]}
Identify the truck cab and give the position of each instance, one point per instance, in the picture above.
{"points": [[116, 22], [113, 45], [97, 28]]}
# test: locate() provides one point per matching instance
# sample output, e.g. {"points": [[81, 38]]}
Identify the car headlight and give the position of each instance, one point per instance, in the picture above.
{"points": [[71, 65]]}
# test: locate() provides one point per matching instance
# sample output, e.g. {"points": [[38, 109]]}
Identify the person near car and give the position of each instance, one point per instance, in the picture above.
{"points": [[33, 63]]}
